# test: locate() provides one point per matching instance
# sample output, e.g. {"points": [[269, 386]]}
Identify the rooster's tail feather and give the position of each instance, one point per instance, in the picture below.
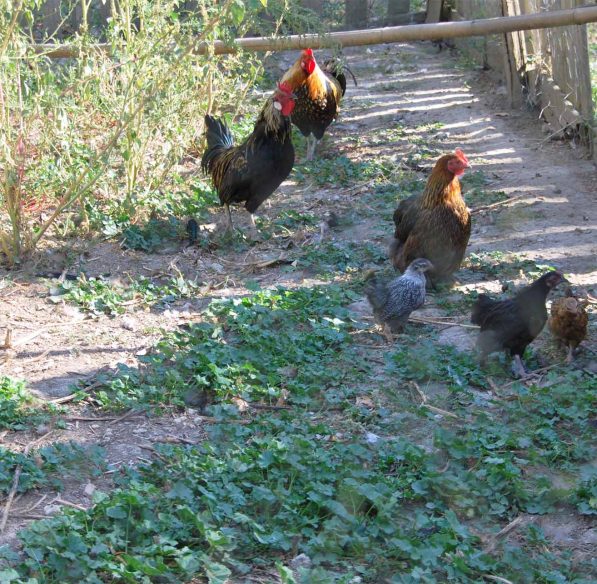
{"points": [[219, 138], [336, 69]]}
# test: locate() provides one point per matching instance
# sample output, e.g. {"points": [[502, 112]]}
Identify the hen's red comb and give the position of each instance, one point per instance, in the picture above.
{"points": [[460, 154]]}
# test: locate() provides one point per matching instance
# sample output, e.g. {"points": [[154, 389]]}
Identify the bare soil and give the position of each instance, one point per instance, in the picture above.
{"points": [[552, 219]]}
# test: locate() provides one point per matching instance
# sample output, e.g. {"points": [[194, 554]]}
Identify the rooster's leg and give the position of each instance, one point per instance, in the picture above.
{"points": [[229, 215], [311, 144], [253, 221]]}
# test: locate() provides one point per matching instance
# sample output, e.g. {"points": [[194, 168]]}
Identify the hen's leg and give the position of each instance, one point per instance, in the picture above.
{"points": [[570, 356], [518, 369]]}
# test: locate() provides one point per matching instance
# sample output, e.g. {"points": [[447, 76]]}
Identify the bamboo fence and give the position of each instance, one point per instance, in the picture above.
{"points": [[391, 34], [546, 67]]}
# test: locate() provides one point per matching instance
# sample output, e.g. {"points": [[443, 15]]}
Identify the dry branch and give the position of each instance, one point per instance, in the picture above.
{"points": [[493, 205], [375, 36]]}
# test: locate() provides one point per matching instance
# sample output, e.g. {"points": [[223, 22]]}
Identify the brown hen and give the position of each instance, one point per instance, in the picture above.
{"points": [[436, 224], [568, 321]]}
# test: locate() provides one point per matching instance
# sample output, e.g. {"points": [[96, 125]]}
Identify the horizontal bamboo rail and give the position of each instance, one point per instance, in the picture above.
{"points": [[392, 34]]}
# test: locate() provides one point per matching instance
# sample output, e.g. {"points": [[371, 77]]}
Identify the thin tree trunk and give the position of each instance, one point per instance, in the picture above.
{"points": [[356, 14], [396, 10]]}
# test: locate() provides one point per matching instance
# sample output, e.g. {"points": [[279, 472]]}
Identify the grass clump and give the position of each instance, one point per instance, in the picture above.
{"points": [[99, 296]]}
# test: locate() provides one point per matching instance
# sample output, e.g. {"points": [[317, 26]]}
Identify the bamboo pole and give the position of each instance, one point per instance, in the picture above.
{"points": [[375, 36]]}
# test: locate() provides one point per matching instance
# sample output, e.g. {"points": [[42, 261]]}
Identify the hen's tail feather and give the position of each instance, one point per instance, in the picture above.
{"points": [[377, 293], [219, 139], [482, 304]]}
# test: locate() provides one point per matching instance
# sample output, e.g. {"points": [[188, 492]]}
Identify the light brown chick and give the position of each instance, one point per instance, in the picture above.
{"points": [[568, 321]]}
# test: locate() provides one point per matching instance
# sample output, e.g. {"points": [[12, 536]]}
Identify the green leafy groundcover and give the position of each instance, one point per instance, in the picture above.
{"points": [[364, 508], [268, 490]]}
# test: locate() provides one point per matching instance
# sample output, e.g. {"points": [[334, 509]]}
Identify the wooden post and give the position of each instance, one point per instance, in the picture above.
{"points": [[514, 66]]}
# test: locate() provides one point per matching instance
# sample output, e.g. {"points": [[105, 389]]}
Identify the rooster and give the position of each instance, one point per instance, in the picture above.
{"points": [[252, 171], [511, 325], [436, 224], [568, 321], [318, 95]]}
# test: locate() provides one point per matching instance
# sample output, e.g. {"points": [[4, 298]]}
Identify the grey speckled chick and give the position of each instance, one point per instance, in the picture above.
{"points": [[393, 301]]}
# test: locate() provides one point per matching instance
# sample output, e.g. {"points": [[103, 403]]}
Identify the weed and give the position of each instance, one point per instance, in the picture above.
{"points": [[245, 351], [14, 403]]}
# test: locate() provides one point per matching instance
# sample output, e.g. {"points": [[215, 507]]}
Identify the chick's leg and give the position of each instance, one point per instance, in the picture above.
{"points": [[387, 333], [518, 369]]}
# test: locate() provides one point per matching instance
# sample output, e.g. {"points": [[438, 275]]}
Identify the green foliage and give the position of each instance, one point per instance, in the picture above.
{"points": [[332, 258], [14, 399], [102, 297], [247, 350], [505, 264], [475, 193], [586, 495], [341, 171]]}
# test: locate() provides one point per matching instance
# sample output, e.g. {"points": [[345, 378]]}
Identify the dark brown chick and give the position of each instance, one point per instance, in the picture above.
{"points": [[436, 224], [569, 321], [512, 325]]}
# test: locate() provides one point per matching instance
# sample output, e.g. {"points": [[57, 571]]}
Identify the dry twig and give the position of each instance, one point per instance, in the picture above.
{"points": [[424, 400], [514, 524], [15, 481], [443, 323]]}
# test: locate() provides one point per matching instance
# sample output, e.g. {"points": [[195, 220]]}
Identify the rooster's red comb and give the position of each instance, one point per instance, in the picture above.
{"points": [[308, 53], [285, 88]]}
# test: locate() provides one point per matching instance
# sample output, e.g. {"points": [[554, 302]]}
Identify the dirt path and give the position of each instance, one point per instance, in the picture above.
{"points": [[411, 105]]}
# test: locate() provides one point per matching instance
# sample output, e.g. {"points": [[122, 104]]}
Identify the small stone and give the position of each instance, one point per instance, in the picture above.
{"points": [[89, 489], [51, 509], [128, 323], [371, 438], [301, 561]]}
